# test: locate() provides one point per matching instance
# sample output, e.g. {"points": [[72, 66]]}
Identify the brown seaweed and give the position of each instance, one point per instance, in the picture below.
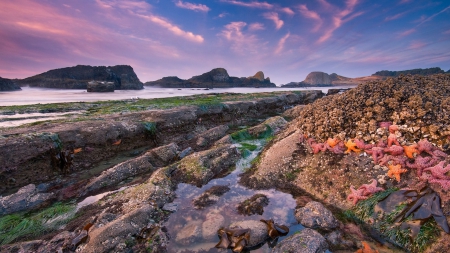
{"points": [[274, 230], [234, 239], [419, 206], [62, 160]]}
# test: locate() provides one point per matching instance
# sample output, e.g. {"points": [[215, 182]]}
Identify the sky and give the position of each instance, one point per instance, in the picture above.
{"points": [[285, 39]]}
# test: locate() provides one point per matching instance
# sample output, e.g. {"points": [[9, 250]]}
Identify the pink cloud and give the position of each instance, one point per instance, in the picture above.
{"points": [[311, 15], [173, 28], [274, 17], [281, 43], [241, 43], [416, 45], [256, 27], [397, 16], [222, 15], [407, 32], [253, 4], [191, 6], [339, 18], [287, 10]]}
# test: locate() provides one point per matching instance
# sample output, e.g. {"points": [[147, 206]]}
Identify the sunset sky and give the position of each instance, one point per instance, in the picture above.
{"points": [[285, 39]]}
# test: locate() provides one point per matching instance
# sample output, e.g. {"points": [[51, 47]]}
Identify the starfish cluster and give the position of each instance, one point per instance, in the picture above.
{"points": [[363, 192], [422, 156]]}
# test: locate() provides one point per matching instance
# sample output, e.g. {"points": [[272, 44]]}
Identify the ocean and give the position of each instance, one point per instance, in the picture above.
{"points": [[31, 95]]}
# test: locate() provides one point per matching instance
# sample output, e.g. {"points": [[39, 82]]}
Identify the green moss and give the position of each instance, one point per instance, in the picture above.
{"points": [[150, 127], [365, 208], [241, 135], [29, 225], [266, 134]]}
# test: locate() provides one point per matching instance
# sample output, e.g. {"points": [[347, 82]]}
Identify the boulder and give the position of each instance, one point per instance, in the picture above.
{"points": [[200, 167], [27, 198], [8, 85], [274, 124], [307, 241], [258, 231], [315, 215], [98, 86]]}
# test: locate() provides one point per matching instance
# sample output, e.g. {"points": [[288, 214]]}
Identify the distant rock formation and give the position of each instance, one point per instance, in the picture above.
{"points": [[97, 86], [422, 72], [216, 78], [317, 78], [321, 79], [8, 85], [77, 77]]}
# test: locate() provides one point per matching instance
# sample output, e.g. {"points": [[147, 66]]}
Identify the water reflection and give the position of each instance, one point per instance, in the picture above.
{"points": [[224, 212], [31, 95]]}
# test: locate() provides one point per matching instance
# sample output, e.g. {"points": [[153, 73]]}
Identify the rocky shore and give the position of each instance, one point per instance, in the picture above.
{"points": [[367, 168]]}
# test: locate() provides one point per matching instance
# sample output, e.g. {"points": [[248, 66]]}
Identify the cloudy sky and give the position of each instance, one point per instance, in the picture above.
{"points": [[285, 39]]}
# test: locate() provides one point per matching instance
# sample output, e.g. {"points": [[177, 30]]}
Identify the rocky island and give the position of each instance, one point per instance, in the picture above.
{"points": [[216, 78], [365, 170], [77, 77], [8, 85]]}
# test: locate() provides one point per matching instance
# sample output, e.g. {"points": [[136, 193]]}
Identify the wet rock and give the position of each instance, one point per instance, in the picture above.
{"points": [[315, 215], [273, 124], [213, 222], [190, 233], [170, 207], [27, 198], [30, 246], [224, 140], [307, 241], [104, 218], [199, 168], [258, 231], [336, 240], [57, 243], [210, 196], [113, 234], [187, 151], [157, 190], [293, 112], [143, 164], [98, 86], [253, 205], [210, 136]]}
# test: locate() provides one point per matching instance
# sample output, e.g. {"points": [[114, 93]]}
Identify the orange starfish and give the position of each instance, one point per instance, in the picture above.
{"points": [[117, 143], [366, 249], [411, 151], [351, 146], [395, 171], [333, 142], [77, 150]]}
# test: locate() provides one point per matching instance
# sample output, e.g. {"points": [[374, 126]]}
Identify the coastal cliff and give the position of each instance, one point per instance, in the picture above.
{"points": [[77, 77], [8, 85], [216, 78]]}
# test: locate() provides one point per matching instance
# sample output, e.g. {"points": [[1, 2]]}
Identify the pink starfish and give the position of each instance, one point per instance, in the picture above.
{"points": [[394, 160], [438, 153], [356, 195], [392, 139], [394, 150], [445, 184], [393, 128], [338, 149], [381, 143], [361, 145], [369, 189], [318, 147], [421, 163], [438, 171], [376, 152], [310, 141]]}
